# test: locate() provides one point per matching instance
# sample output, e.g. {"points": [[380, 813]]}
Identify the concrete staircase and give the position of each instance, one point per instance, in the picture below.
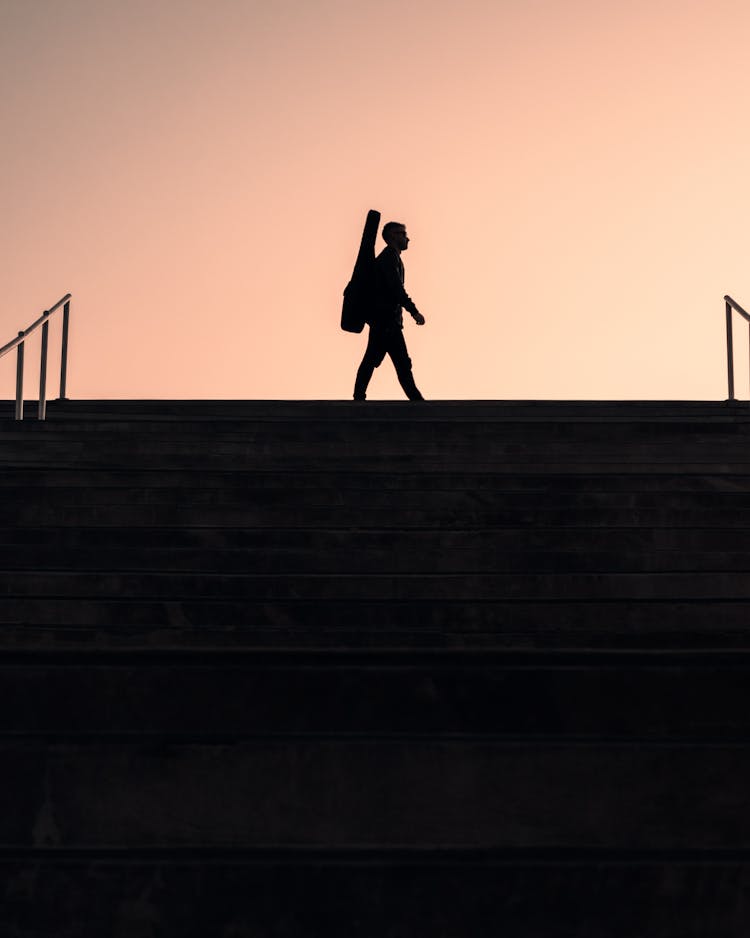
{"points": [[327, 669]]}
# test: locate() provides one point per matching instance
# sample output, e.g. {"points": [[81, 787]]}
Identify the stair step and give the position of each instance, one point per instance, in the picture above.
{"points": [[443, 516], [141, 623], [407, 545], [458, 410], [391, 793], [379, 588], [408, 553], [467, 501], [205, 697], [428, 479], [371, 893]]}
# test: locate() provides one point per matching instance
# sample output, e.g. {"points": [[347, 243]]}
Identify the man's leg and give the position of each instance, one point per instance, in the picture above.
{"points": [[402, 364], [374, 354], [364, 373]]}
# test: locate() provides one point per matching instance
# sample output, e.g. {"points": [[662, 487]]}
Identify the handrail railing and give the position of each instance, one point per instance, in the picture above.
{"points": [[18, 343], [730, 305]]}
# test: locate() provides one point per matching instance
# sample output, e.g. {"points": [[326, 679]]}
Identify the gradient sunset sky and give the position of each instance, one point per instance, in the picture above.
{"points": [[574, 176]]}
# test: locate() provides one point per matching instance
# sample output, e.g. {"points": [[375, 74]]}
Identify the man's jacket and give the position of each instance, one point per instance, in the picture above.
{"points": [[389, 296]]}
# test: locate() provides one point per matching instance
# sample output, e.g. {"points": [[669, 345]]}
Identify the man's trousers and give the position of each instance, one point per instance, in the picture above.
{"points": [[384, 342]]}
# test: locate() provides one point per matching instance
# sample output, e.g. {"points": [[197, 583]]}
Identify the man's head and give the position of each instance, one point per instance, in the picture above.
{"points": [[395, 236]]}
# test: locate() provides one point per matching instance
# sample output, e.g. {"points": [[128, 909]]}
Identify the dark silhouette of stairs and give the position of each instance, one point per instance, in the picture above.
{"points": [[322, 669]]}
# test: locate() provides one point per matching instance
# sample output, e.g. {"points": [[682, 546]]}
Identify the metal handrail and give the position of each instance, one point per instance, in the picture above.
{"points": [[18, 343]]}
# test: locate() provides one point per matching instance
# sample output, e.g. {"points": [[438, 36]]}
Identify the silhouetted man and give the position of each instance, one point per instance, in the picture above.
{"points": [[386, 319]]}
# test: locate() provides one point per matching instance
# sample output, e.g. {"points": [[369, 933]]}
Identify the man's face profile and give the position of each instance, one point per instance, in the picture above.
{"points": [[399, 238]]}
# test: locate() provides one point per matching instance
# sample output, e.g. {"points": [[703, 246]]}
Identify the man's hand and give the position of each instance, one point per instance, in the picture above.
{"points": [[419, 319]]}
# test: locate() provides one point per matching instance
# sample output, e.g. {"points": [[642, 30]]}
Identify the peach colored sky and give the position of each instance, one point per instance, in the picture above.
{"points": [[573, 173]]}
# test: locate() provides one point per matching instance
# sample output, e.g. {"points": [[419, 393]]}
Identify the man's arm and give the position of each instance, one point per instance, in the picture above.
{"points": [[393, 288]]}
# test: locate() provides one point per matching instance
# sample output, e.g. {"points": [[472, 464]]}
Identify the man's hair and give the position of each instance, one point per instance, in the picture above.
{"points": [[389, 227]]}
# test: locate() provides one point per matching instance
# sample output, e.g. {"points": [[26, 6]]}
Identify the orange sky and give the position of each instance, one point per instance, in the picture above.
{"points": [[573, 174]]}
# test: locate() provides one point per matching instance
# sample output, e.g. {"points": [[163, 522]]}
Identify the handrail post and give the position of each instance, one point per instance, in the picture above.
{"points": [[730, 353], [64, 353], [19, 344], [19, 379], [43, 374]]}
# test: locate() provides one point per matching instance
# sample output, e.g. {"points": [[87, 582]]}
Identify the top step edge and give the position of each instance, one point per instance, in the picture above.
{"points": [[502, 410]]}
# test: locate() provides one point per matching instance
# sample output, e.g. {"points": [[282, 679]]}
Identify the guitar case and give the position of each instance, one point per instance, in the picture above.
{"points": [[360, 291]]}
